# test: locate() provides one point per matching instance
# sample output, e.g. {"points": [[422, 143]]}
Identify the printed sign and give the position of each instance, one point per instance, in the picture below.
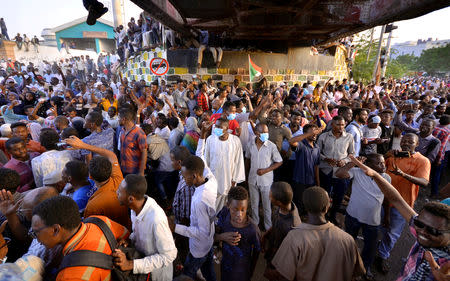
{"points": [[159, 66]]}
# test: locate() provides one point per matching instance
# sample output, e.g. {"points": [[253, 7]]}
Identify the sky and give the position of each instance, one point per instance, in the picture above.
{"points": [[31, 16]]}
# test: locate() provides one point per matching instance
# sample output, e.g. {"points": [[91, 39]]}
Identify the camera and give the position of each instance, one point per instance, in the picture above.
{"points": [[402, 154], [62, 146]]}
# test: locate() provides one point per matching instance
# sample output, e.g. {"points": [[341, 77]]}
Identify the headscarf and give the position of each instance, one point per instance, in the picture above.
{"points": [[191, 125]]}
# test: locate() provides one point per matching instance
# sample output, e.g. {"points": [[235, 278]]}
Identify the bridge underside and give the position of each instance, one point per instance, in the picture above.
{"points": [[276, 24]]}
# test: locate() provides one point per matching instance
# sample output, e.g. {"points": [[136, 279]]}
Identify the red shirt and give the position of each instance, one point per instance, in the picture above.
{"points": [[23, 168], [232, 124]]}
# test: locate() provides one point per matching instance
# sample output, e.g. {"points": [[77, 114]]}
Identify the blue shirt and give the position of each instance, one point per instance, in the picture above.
{"points": [[104, 139], [237, 260], [306, 158], [355, 130], [81, 196]]}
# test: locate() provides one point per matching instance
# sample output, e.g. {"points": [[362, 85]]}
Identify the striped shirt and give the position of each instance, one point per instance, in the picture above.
{"points": [[182, 201], [90, 237], [132, 144], [443, 134]]}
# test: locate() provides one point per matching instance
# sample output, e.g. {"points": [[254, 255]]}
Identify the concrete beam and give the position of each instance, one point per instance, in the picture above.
{"points": [[160, 11]]}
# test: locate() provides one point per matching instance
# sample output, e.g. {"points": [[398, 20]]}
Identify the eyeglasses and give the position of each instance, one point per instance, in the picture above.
{"points": [[431, 230], [33, 234]]}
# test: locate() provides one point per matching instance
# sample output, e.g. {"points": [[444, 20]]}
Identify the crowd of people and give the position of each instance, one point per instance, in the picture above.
{"points": [[95, 166]]}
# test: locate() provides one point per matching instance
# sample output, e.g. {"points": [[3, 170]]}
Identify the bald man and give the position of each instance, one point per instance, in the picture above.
{"points": [[18, 213]]}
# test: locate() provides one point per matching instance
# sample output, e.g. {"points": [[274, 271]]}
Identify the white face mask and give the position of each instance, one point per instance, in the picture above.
{"points": [[244, 110]]}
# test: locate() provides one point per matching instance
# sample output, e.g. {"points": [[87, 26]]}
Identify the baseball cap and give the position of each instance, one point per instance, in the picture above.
{"points": [[376, 119]]}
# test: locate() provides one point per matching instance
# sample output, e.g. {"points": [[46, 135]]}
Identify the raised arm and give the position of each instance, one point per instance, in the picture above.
{"points": [[388, 190], [295, 140], [39, 80], [76, 143], [174, 112], [35, 109]]}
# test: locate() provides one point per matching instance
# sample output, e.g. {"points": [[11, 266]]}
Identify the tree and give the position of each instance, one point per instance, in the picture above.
{"points": [[410, 61], [435, 60], [362, 69]]}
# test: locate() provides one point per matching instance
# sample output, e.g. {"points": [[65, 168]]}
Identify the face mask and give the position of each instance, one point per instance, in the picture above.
{"points": [[231, 116], [264, 137], [244, 110], [218, 132]]}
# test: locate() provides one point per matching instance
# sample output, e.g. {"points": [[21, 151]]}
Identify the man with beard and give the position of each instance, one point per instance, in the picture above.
{"points": [[429, 145], [360, 116]]}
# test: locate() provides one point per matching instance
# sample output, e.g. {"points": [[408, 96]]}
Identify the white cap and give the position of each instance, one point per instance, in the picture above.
{"points": [[376, 119]]}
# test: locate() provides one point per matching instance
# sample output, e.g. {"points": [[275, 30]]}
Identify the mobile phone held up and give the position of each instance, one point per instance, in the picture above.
{"points": [[62, 146]]}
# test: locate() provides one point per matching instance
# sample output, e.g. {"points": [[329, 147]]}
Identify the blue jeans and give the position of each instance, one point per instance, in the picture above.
{"points": [[436, 174], [205, 264], [370, 234], [336, 188], [391, 235]]}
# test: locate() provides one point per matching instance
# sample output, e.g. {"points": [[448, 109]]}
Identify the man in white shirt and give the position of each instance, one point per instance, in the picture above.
{"points": [[201, 229], [264, 157], [50, 161], [224, 156], [179, 95], [162, 129], [151, 233], [364, 207]]}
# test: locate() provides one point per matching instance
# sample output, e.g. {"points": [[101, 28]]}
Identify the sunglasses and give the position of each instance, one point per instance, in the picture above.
{"points": [[431, 230]]}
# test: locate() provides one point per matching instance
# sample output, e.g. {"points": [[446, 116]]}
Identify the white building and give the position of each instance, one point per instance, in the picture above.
{"points": [[416, 48]]}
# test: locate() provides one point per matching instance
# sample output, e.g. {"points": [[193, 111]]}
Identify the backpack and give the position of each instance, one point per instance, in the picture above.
{"points": [[101, 260]]}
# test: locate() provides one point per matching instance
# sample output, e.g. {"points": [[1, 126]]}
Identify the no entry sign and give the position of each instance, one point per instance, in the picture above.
{"points": [[159, 66]]}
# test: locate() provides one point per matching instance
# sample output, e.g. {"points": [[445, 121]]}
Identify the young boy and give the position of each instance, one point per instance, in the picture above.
{"points": [[284, 218], [241, 236], [371, 136], [387, 131], [264, 157]]}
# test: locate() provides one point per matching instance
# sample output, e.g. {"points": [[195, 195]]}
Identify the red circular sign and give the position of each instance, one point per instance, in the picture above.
{"points": [[159, 66]]}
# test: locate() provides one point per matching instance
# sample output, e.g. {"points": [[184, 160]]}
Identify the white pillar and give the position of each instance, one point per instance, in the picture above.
{"points": [[117, 12]]}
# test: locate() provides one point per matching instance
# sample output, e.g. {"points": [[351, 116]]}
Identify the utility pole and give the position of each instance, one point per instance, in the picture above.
{"points": [[377, 59], [389, 29], [370, 43], [117, 13]]}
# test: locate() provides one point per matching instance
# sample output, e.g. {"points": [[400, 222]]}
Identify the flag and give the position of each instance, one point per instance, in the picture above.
{"points": [[253, 69]]}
